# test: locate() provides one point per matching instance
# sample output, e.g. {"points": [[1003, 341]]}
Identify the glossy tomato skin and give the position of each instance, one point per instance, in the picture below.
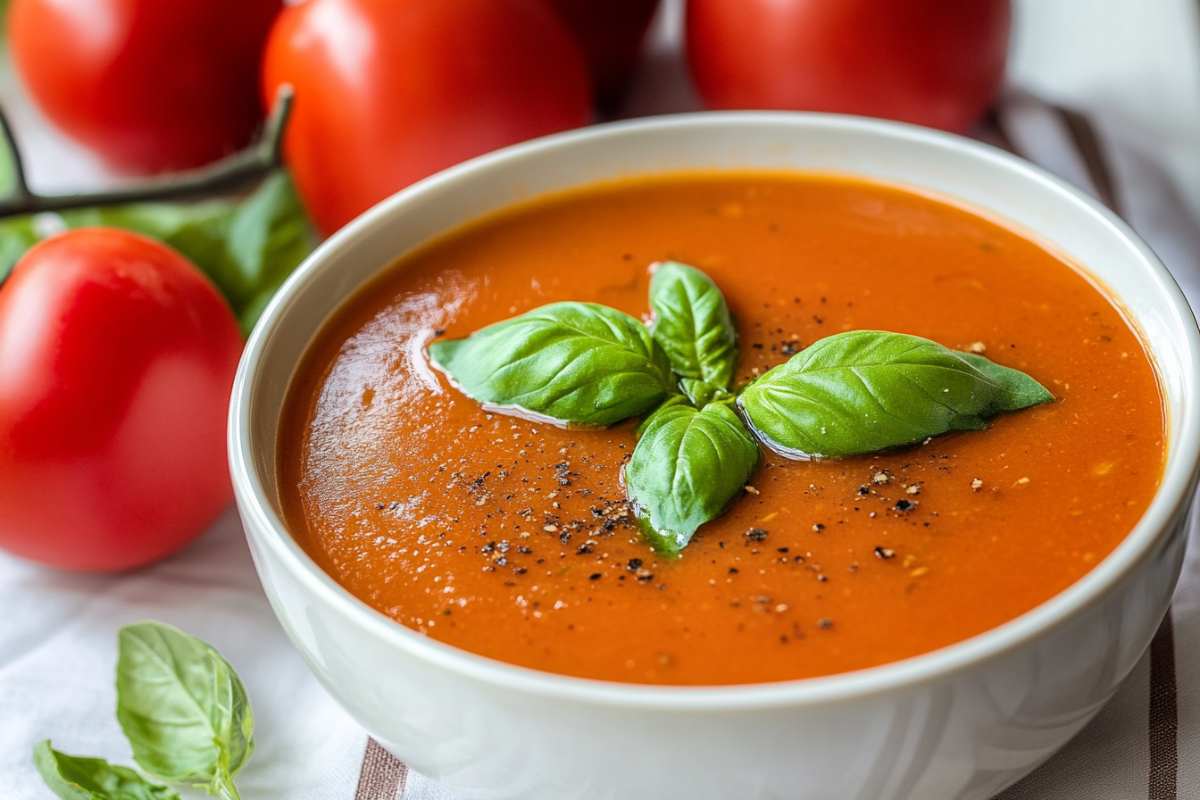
{"points": [[389, 92], [611, 34], [148, 85], [118, 360], [929, 62]]}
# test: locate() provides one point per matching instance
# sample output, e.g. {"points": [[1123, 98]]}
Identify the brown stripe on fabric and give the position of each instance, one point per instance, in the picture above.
{"points": [[1087, 144], [1164, 715], [382, 776], [1163, 780]]}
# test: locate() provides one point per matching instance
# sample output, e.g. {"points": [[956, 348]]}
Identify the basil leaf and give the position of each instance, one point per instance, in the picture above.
{"points": [[248, 248], [82, 778], [865, 391], [568, 363], [182, 708], [687, 465], [267, 236], [692, 323]]}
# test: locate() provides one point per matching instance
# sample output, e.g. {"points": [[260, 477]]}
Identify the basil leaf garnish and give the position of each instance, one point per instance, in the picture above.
{"points": [[570, 363], [865, 391], [182, 708], [83, 778], [687, 465], [692, 323]]}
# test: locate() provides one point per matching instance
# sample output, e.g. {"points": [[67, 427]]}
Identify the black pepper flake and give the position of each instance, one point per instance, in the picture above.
{"points": [[903, 505], [884, 553], [781, 549], [595, 576], [634, 564], [864, 490], [584, 549], [824, 623], [562, 473], [733, 570], [756, 534]]}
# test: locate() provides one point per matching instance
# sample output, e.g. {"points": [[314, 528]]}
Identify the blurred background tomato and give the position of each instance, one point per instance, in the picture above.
{"points": [[930, 62], [612, 35], [389, 92], [149, 85]]}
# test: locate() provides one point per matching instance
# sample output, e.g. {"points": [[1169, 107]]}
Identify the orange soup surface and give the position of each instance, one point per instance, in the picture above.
{"points": [[511, 538]]}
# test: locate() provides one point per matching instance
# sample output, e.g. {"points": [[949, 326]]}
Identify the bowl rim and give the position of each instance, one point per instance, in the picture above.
{"points": [[1170, 499]]}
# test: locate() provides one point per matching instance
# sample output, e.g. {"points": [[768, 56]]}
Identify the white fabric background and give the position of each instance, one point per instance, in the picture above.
{"points": [[1132, 65]]}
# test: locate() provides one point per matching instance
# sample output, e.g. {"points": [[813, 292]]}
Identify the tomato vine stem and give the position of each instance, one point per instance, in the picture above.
{"points": [[230, 174]]}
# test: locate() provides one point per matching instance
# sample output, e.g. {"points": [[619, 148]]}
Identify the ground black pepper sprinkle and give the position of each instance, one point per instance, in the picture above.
{"points": [[634, 564], [903, 505], [756, 534], [595, 576], [824, 623]]}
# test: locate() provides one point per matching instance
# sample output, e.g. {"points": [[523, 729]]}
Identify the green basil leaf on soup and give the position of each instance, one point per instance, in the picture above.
{"points": [[687, 466], [866, 391], [567, 363], [693, 325], [83, 778], [183, 708]]}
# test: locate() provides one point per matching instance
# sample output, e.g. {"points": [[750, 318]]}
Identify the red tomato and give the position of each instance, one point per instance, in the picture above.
{"points": [[611, 34], [388, 92], [931, 62], [118, 362], [149, 85]]}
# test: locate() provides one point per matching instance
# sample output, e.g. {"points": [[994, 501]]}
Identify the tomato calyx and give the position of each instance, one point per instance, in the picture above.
{"points": [[232, 173]]}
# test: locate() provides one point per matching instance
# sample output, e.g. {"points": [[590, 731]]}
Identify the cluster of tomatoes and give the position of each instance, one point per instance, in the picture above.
{"points": [[118, 355]]}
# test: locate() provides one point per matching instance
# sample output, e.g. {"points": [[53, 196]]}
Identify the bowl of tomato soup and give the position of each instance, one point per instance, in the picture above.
{"points": [[480, 582]]}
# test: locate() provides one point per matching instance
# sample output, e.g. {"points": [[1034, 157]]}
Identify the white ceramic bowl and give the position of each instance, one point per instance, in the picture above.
{"points": [[961, 722]]}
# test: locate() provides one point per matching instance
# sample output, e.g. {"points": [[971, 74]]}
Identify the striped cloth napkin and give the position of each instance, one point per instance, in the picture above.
{"points": [[1110, 101]]}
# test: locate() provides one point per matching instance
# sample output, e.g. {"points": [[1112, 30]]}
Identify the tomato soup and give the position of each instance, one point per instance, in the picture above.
{"points": [[512, 538]]}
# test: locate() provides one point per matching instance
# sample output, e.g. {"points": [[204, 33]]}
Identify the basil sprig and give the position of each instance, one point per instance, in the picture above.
{"points": [[185, 714], [688, 464], [865, 391], [848, 394], [182, 708], [84, 778], [571, 363], [694, 327]]}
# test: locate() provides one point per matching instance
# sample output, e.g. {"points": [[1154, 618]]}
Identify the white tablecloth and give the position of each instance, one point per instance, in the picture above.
{"points": [[1131, 67]]}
